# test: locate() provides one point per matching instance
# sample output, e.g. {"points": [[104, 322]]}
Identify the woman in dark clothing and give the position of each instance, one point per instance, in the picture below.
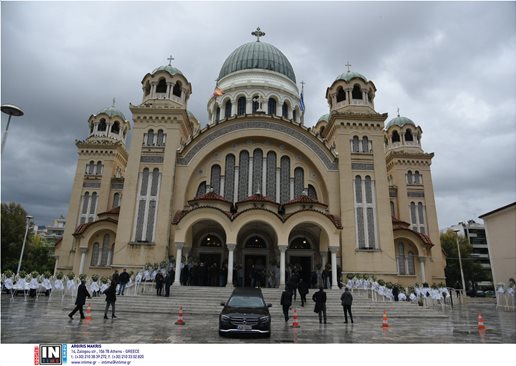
{"points": [[159, 283], [110, 299]]}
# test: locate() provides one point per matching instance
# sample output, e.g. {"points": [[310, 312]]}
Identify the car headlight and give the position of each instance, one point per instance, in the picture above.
{"points": [[224, 318], [265, 319]]}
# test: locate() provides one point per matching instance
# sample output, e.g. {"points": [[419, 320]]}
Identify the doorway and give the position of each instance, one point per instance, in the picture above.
{"points": [[260, 265], [305, 262], [209, 258]]}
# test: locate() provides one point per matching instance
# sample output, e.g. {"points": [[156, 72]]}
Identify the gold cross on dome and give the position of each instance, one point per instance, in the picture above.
{"points": [[170, 58], [258, 33], [348, 65]]}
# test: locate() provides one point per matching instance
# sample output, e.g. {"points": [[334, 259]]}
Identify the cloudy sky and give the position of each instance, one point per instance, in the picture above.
{"points": [[450, 67]]}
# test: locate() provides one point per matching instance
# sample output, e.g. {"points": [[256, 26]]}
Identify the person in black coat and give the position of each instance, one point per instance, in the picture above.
{"points": [[110, 299], [346, 301], [320, 304], [168, 282], [123, 280], [293, 282], [302, 287], [286, 302], [159, 283], [395, 293], [82, 294]]}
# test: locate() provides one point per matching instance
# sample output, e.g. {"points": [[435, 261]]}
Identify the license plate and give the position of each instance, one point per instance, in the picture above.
{"points": [[244, 327]]}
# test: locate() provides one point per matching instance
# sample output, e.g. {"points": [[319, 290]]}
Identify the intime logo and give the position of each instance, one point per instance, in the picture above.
{"points": [[50, 354]]}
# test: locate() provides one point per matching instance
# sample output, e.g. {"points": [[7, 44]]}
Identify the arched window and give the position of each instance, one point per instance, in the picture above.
{"points": [[229, 178], [116, 200], [355, 144], [241, 106], [401, 259], [95, 251], [161, 138], [227, 109], [150, 138], [115, 128], [201, 190], [410, 262], [299, 181], [358, 189], [102, 125], [370, 95], [85, 202], [91, 127], [341, 94], [312, 193], [408, 135], [294, 115], [155, 182], [256, 105], [393, 211], [217, 114], [413, 216], [256, 242], [145, 182], [409, 177], [99, 168], [147, 89], [300, 243], [162, 86], [215, 178], [177, 89], [271, 175], [284, 179], [105, 250], [111, 254], [93, 206], [421, 217], [243, 179], [356, 93], [271, 110], [91, 168], [365, 144], [395, 137], [417, 177], [284, 110], [257, 171]]}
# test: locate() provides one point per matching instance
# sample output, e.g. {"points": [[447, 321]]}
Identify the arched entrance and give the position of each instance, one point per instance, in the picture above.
{"points": [[256, 252], [303, 249]]}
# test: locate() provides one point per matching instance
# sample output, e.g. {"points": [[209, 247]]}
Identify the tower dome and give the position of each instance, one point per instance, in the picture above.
{"points": [[257, 55], [111, 111], [399, 121]]}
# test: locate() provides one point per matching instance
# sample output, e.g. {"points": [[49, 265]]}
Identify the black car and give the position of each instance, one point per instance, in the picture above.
{"points": [[245, 312]]}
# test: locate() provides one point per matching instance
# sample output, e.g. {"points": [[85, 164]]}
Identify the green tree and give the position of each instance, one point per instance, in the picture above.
{"points": [[39, 256], [13, 230], [473, 271]]}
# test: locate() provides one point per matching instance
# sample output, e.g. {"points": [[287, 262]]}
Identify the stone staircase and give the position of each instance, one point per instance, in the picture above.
{"points": [[206, 301]]}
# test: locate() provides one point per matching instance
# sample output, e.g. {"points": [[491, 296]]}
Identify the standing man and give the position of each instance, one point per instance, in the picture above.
{"points": [[303, 290], [82, 293], [169, 278], [320, 304], [124, 279], [110, 299], [346, 300], [286, 302]]}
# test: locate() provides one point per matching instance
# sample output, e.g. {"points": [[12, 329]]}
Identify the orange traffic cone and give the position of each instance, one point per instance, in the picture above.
{"points": [[295, 324], [180, 320], [385, 323], [88, 312], [481, 325]]}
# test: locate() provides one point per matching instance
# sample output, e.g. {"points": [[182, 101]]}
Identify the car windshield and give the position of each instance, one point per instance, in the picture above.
{"points": [[245, 302]]}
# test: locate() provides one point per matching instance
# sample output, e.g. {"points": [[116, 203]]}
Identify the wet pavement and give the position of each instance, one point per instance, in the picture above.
{"points": [[43, 322]]}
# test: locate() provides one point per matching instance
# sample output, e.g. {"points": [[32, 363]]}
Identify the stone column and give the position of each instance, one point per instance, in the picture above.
{"points": [[264, 175], [334, 283], [278, 186], [83, 257], [231, 248], [283, 249], [422, 268], [221, 191], [250, 181], [324, 257], [179, 256], [292, 188]]}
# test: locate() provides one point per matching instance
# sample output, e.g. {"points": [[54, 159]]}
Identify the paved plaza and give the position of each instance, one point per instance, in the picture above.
{"points": [[41, 321]]}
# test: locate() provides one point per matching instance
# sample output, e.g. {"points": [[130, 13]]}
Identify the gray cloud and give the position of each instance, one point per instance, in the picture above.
{"points": [[448, 66]]}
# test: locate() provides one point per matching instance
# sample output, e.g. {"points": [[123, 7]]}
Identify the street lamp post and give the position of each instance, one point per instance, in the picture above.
{"points": [[460, 263], [10, 110], [28, 217]]}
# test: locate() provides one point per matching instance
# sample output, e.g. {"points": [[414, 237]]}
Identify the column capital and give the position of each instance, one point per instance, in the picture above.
{"points": [[422, 259], [333, 249], [180, 244], [283, 248], [83, 250], [230, 246]]}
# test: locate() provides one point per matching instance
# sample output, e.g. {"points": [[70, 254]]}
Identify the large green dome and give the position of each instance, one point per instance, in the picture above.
{"points": [[111, 111], [168, 68], [257, 55], [347, 76]]}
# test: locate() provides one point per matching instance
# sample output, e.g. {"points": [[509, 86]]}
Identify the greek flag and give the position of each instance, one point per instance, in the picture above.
{"points": [[302, 102]]}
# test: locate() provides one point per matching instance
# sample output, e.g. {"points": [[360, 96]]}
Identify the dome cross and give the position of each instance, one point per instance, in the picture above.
{"points": [[348, 65], [258, 33], [170, 58]]}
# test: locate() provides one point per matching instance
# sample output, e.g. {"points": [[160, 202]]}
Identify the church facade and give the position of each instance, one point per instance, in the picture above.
{"points": [[255, 186]]}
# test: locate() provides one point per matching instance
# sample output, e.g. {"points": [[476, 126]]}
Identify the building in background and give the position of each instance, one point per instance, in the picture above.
{"points": [[51, 233], [255, 186], [500, 226]]}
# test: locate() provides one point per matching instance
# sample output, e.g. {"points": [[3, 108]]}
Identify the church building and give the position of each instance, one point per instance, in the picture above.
{"points": [[256, 185]]}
